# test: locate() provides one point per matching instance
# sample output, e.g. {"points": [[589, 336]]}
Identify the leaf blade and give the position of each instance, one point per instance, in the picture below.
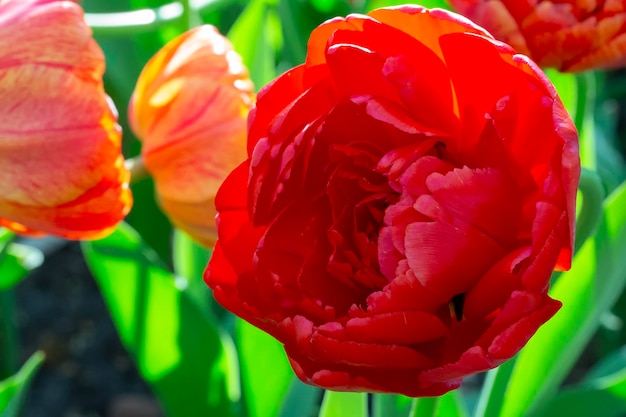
{"points": [[171, 340]]}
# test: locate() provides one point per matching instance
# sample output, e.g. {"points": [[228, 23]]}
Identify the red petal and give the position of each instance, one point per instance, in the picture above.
{"points": [[403, 328]]}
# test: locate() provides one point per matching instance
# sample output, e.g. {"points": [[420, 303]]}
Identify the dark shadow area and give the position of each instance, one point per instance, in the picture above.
{"points": [[87, 372]]}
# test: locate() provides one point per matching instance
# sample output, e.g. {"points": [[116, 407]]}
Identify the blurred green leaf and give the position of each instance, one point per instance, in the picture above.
{"points": [[183, 355], [493, 390], [611, 364], [298, 19], [344, 404], [252, 36], [302, 400], [6, 236], [13, 389], [611, 166], [391, 405], [431, 4], [126, 56], [584, 118], [565, 85], [451, 405], [587, 291], [326, 6], [265, 372], [190, 261], [604, 396], [424, 407], [18, 261]]}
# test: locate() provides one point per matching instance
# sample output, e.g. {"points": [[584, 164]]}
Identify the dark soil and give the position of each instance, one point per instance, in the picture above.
{"points": [[87, 372]]}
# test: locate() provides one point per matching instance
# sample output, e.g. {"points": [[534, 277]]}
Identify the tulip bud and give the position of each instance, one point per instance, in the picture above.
{"points": [[189, 109], [61, 167]]}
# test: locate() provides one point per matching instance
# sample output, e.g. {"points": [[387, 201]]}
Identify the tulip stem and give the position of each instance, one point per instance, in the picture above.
{"points": [[494, 389], [8, 332], [424, 407], [584, 118], [149, 20], [590, 214], [137, 169]]}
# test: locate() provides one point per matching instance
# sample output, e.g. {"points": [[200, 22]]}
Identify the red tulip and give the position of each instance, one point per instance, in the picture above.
{"points": [[409, 190], [61, 168], [189, 108], [570, 35]]}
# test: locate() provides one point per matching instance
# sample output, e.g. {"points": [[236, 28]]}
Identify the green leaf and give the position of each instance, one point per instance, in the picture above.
{"points": [[604, 396], [493, 391], [18, 261], [253, 37], [431, 4], [13, 389], [566, 87], [190, 261], [615, 362], [302, 400], [188, 361], [265, 372], [344, 404], [587, 291], [5, 237], [391, 405], [325, 6], [298, 19], [424, 407], [451, 405]]}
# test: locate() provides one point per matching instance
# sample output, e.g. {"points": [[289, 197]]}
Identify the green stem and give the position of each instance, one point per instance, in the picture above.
{"points": [[581, 101], [148, 20], [494, 390], [186, 16], [9, 339], [424, 407], [584, 117], [590, 213], [137, 169]]}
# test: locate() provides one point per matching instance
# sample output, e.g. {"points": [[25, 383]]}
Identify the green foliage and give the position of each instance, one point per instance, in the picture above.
{"points": [[255, 36], [178, 349], [18, 261], [302, 400], [13, 389], [190, 260], [388, 405], [265, 372], [605, 395], [342, 404], [431, 4]]}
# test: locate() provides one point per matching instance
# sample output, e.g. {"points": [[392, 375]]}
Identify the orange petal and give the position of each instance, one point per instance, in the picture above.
{"points": [[570, 35], [189, 109], [62, 169]]}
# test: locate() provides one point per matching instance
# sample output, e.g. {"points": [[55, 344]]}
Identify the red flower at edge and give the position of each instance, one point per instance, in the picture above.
{"points": [[569, 35], [408, 193]]}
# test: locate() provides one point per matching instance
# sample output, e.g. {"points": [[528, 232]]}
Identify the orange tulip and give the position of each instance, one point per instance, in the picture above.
{"points": [[61, 169], [189, 109], [571, 35]]}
